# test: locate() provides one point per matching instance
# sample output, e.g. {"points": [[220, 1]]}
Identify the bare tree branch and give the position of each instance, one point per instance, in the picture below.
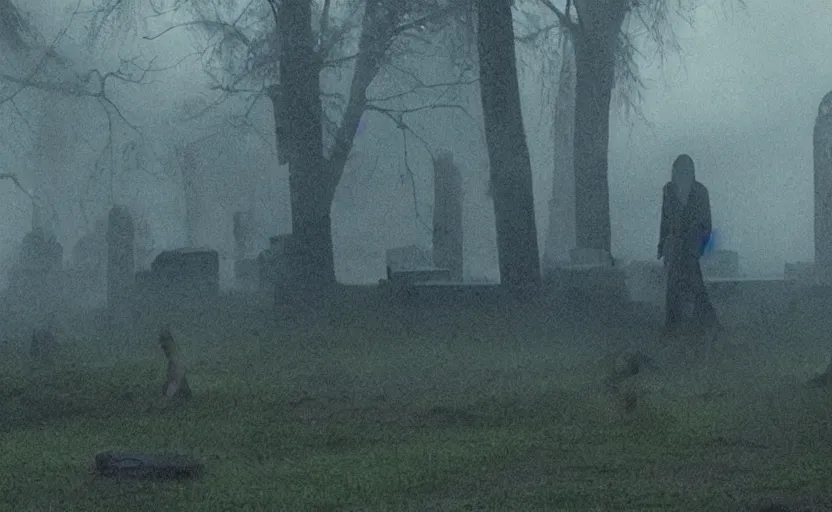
{"points": [[225, 27], [13, 177], [563, 17], [423, 86]]}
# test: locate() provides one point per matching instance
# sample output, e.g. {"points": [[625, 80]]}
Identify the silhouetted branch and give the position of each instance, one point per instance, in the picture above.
{"points": [[13, 177]]}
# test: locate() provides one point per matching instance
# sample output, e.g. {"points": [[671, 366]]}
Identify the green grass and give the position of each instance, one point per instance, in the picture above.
{"points": [[363, 407]]}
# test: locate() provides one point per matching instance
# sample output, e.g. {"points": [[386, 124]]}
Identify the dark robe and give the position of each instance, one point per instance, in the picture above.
{"points": [[684, 233]]}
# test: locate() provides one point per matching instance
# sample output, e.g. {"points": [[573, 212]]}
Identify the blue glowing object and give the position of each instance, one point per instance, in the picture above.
{"points": [[710, 243]]}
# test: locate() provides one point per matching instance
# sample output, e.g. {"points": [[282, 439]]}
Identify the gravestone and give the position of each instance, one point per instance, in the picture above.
{"points": [[186, 274], [412, 264], [447, 216], [822, 141], [120, 257]]}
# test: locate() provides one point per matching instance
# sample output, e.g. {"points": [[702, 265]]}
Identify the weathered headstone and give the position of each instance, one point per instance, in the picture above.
{"points": [[447, 216], [186, 273], [120, 256], [409, 257], [823, 186], [412, 264]]}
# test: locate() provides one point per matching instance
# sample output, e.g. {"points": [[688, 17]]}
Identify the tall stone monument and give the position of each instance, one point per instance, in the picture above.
{"points": [[120, 256], [447, 215], [823, 188]]}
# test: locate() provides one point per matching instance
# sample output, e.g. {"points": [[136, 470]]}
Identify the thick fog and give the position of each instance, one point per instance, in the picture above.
{"points": [[741, 99]]}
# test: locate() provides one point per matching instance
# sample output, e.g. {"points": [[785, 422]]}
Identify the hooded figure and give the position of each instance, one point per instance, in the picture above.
{"points": [[684, 233]]}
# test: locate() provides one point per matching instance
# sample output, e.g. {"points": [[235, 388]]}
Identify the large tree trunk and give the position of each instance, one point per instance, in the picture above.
{"points": [[595, 71], [511, 173], [310, 190]]}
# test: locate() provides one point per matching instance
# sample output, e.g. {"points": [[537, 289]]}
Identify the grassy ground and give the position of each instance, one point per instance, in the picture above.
{"points": [[368, 407]]}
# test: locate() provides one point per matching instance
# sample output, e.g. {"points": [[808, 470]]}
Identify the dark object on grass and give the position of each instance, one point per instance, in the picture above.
{"points": [[176, 383], [166, 466]]}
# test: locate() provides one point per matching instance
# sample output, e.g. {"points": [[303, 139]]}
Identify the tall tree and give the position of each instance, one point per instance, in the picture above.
{"points": [[313, 177], [604, 36], [508, 153]]}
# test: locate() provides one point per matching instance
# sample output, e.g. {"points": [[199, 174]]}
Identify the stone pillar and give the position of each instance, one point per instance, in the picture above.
{"points": [[120, 256], [447, 215], [823, 186]]}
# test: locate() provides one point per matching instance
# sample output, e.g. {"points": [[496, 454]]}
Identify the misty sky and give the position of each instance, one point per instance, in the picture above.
{"points": [[741, 100]]}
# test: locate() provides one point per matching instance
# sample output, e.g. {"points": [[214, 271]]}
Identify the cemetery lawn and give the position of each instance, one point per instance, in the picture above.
{"points": [[367, 406]]}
